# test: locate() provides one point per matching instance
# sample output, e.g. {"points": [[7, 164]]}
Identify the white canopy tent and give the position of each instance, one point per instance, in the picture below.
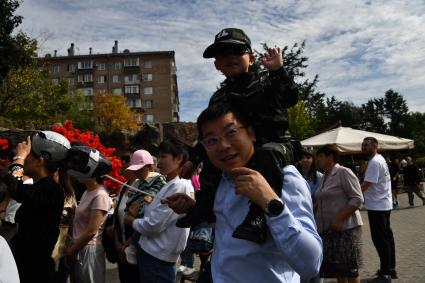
{"points": [[348, 140]]}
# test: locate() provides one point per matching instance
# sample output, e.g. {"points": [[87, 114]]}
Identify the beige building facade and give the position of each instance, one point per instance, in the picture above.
{"points": [[148, 80]]}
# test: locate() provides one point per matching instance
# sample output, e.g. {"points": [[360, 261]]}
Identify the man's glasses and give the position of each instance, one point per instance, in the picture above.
{"points": [[237, 50], [230, 135]]}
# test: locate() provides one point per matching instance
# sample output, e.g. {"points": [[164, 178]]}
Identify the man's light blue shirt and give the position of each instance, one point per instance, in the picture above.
{"points": [[293, 247]]}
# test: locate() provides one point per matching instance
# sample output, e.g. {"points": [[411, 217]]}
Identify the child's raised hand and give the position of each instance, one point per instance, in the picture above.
{"points": [[148, 199], [272, 59]]}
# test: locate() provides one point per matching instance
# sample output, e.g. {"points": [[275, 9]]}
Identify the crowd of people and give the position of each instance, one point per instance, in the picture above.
{"points": [[264, 208]]}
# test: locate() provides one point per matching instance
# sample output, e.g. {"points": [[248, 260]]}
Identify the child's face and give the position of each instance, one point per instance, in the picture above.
{"points": [[168, 164], [233, 64]]}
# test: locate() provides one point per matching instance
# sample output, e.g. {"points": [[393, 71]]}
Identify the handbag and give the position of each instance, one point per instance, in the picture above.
{"points": [[109, 242]]}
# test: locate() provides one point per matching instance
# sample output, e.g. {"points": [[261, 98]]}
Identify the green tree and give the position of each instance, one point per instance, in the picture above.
{"points": [[396, 111], [15, 50], [300, 122], [31, 101], [373, 116], [415, 129]]}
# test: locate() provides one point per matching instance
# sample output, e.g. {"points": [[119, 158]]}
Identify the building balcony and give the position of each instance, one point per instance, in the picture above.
{"points": [[132, 82], [131, 69], [84, 84]]}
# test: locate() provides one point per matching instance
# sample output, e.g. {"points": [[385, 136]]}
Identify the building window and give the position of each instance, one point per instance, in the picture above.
{"points": [[85, 78], [148, 118], [71, 81], [117, 91], [129, 89], [133, 102], [133, 78], [131, 62], [148, 90], [147, 77], [85, 65], [116, 65], [55, 81], [72, 68], [147, 104], [101, 90], [101, 79], [147, 64], [87, 91], [56, 68], [116, 78], [90, 105], [101, 66]]}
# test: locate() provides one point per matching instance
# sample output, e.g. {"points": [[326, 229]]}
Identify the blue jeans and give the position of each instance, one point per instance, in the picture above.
{"points": [[153, 270], [187, 257]]}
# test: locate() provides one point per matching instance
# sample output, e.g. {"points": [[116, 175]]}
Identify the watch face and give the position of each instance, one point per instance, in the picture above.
{"points": [[275, 207]]}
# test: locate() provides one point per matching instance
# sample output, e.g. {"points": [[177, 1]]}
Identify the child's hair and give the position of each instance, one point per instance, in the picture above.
{"points": [[175, 147]]}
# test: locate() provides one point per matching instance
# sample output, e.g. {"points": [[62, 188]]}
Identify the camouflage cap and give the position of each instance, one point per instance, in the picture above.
{"points": [[228, 36]]}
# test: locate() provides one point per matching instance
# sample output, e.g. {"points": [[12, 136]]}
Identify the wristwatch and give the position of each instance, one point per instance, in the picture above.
{"points": [[274, 207]]}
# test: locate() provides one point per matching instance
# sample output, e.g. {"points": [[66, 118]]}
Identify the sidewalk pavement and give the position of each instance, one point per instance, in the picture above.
{"points": [[408, 226]]}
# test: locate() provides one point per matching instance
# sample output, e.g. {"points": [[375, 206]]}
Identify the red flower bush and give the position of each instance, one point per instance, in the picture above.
{"points": [[92, 140], [4, 144]]}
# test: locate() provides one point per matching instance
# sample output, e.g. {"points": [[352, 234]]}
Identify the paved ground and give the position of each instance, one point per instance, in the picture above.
{"points": [[409, 231]]}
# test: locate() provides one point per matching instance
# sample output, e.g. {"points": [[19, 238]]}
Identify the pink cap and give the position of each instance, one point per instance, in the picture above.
{"points": [[140, 159]]}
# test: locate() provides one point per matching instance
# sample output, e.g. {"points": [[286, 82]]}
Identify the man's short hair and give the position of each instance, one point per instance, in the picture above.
{"points": [[329, 150], [216, 111], [373, 140], [175, 147]]}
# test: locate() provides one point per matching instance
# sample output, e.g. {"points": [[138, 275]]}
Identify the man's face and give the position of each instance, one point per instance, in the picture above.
{"points": [[235, 143], [233, 64], [368, 148], [409, 160]]}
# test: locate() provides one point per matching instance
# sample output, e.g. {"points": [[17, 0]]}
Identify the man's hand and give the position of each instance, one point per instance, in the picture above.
{"points": [[272, 60], [133, 210], [179, 203], [336, 224], [253, 185], [69, 258]]}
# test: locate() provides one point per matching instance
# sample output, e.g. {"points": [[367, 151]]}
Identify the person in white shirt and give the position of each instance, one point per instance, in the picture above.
{"points": [[161, 242], [8, 270], [378, 201]]}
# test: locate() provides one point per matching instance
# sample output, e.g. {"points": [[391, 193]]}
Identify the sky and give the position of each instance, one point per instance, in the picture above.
{"points": [[359, 49]]}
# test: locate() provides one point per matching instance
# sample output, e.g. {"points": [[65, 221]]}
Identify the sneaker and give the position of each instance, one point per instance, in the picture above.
{"points": [[188, 271], [380, 279], [393, 273], [181, 268], [254, 227]]}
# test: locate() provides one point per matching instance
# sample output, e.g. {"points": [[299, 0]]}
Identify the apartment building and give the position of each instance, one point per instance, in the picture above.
{"points": [[148, 80]]}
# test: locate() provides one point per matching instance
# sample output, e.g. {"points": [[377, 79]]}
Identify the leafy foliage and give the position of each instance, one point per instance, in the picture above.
{"points": [[15, 51], [31, 101], [112, 114], [300, 122]]}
